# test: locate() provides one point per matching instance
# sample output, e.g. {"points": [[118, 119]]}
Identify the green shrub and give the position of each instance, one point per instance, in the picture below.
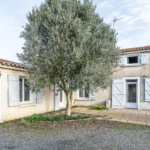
{"points": [[55, 118], [99, 107], [41, 117]]}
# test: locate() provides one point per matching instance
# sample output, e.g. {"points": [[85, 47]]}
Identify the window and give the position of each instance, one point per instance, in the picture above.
{"points": [[24, 91], [83, 94], [133, 60]]}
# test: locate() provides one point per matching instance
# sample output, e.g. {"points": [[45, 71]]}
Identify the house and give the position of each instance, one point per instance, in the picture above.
{"points": [[130, 88], [131, 82], [16, 100]]}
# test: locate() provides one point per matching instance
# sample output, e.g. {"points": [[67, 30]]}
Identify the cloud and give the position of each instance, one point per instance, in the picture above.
{"points": [[104, 4], [133, 29]]}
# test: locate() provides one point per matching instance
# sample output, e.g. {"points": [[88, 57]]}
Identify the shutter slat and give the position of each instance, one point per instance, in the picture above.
{"points": [[13, 90], [145, 58], [121, 61], [147, 89], [40, 96], [118, 93], [92, 95]]}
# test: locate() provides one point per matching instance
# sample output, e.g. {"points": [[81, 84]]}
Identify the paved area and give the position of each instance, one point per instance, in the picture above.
{"points": [[123, 115]]}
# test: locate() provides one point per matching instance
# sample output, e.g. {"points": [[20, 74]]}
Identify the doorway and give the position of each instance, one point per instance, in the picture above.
{"points": [[131, 94], [61, 101]]}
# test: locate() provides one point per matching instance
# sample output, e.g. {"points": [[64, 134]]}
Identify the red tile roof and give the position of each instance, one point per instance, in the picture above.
{"points": [[142, 48], [12, 64]]}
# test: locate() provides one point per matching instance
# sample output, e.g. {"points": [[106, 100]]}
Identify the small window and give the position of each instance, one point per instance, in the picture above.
{"points": [[24, 90], [132, 60], [83, 93]]}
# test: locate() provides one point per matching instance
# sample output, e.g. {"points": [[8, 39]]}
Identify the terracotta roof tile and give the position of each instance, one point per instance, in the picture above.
{"points": [[12, 64], [135, 49]]}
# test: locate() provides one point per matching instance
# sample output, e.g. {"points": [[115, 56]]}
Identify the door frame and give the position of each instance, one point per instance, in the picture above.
{"points": [[138, 90], [132, 104]]}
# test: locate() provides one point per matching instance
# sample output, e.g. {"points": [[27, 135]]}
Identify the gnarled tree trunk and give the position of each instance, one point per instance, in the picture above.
{"points": [[69, 98]]}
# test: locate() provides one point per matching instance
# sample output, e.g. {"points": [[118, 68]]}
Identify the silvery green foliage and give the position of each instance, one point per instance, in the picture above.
{"points": [[68, 44]]}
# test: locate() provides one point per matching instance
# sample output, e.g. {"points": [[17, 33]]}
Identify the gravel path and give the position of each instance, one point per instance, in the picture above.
{"points": [[104, 136]]}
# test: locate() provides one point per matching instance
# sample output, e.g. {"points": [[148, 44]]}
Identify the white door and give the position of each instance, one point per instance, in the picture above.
{"points": [[131, 94], [62, 99], [118, 93]]}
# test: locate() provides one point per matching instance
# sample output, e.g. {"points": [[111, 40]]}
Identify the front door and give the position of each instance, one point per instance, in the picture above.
{"points": [[61, 102], [131, 94]]}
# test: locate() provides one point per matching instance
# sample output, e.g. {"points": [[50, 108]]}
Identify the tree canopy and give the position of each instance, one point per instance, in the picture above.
{"points": [[67, 43]]}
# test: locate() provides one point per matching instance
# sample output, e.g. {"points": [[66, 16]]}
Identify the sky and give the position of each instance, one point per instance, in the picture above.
{"points": [[133, 30]]}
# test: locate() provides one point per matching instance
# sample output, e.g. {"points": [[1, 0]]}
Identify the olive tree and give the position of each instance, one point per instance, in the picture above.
{"points": [[68, 44]]}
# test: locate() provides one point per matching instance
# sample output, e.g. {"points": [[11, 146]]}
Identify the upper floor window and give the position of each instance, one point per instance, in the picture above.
{"points": [[133, 60]]}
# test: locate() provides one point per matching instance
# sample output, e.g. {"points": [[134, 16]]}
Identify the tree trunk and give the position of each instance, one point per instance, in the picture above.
{"points": [[69, 104]]}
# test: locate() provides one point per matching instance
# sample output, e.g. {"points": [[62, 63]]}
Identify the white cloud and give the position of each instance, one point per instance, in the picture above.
{"points": [[104, 4]]}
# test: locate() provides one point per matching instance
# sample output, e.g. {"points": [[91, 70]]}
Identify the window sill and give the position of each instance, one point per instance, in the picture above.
{"points": [[26, 105], [132, 65], [81, 99]]}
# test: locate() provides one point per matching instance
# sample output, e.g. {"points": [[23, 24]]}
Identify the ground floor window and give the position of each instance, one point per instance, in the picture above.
{"points": [[83, 93], [24, 91]]}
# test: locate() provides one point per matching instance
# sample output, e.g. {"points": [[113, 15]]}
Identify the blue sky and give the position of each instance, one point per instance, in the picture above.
{"points": [[133, 30]]}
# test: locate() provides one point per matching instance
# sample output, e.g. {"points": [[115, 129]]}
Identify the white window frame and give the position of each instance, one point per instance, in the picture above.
{"points": [[23, 94], [133, 55], [82, 98]]}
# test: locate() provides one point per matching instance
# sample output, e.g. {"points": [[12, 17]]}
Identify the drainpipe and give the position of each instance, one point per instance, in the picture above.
{"points": [[0, 99]]}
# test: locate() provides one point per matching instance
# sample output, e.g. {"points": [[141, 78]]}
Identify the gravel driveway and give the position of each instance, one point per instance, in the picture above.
{"points": [[79, 135]]}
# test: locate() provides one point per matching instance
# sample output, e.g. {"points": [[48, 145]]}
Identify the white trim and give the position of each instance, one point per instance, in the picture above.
{"points": [[27, 105], [13, 68], [0, 100], [23, 102], [135, 52], [138, 90]]}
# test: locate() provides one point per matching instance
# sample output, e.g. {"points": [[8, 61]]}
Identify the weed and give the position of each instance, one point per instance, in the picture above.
{"points": [[24, 122]]}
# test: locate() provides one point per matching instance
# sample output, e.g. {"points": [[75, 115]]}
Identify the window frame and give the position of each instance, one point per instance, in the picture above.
{"points": [[23, 92], [83, 98], [135, 55]]}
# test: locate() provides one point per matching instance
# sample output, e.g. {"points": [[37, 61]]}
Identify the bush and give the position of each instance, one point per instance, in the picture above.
{"points": [[102, 107], [41, 117], [55, 118]]}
